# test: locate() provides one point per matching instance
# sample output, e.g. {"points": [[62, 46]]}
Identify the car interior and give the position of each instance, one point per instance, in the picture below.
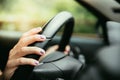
{"points": [[89, 58]]}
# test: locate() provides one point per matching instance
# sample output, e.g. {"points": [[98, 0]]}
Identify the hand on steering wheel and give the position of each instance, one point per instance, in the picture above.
{"points": [[50, 30], [21, 49]]}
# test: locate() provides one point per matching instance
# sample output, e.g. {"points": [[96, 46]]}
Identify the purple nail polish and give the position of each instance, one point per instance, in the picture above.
{"points": [[36, 62], [42, 36], [42, 52]]}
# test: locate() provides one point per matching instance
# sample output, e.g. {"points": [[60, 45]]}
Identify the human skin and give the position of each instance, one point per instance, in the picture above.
{"points": [[21, 49]]}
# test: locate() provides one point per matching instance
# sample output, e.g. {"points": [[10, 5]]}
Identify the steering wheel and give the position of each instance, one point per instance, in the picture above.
{"points": [[50, 29]]}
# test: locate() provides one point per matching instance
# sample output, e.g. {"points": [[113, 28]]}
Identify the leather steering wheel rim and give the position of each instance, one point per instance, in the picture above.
{"points": [[50, 29]]}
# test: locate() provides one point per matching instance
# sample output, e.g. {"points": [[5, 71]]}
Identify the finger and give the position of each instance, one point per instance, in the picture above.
{"points": [[52, 49], [31, 39], [29, 50], [32, 31], [67, 49], [23, 61], [27, 61]]}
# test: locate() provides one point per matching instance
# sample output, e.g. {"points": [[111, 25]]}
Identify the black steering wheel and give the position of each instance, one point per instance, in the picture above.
{"points": [[50, 30]]}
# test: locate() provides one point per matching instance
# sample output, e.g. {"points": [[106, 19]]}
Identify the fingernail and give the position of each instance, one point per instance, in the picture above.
{"points": [[42, 37], [36, 63], [38, 28], [42, 52], [66, 52]]}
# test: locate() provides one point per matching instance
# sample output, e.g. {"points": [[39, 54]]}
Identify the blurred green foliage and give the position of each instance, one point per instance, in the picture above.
{"points": [[25, 14]]}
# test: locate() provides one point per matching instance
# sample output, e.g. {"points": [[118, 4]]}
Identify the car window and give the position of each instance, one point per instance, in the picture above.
{"points": [[21, 15]]}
